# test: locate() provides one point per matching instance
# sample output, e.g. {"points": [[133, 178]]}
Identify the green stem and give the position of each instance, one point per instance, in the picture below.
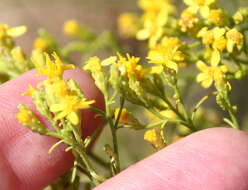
{"points": [[202, 100], [113, 133], [81, 151]]}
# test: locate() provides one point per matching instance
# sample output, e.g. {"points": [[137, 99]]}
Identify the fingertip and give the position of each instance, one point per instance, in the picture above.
{"points": [[213, 159]]}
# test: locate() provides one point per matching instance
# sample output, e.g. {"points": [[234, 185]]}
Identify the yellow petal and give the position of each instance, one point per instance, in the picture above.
{"points": [[172, 65], [205, 11], [201, 65], [218, 32], [207, 83], [109, 61], [224, 68], [189, 2], [215, 58], [17, 31], [56, 107], [73, 118], [230, 45], [143, 34], [156, 69], [202, 77]]}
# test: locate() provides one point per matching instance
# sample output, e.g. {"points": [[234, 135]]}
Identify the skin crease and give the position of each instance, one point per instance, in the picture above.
{"points": [[212, 159]]}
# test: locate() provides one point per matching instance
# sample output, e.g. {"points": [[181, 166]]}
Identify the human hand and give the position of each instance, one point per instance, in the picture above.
{"points": [[214, 159]]}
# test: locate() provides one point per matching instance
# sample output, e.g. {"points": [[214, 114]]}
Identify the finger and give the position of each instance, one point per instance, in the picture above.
{"points": [[213, 159], [24, 161]]}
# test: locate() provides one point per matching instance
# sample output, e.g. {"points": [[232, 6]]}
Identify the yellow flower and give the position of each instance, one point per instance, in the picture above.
{"points": [[68, 108], [199, 5], [152, 31], [128, 65], [55, 90], [155, 138], [214, 37], [155, 17], [71, 27], [188, 20], [212, 73], [216, 16], [156, 5], [52, 69], [18, 54], [41, 44], [128, 24], [167, 54], [30, 91], [234, 38], [123, 115], [6, 31], [28, 119], [206, 35], [93, 64], [25, 116]]}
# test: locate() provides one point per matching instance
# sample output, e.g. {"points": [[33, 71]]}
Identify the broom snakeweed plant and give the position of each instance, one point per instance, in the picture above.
{"points": [[202, 36]]}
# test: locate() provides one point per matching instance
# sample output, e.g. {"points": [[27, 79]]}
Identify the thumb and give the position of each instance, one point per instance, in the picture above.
{"points": [[213, 159]]}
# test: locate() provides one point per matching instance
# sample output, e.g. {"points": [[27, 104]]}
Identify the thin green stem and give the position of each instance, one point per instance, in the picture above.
{"points": [[113, 132], [201, 101]]}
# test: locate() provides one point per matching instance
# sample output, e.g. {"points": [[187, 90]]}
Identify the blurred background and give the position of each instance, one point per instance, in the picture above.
{"points": [[99, 15]]}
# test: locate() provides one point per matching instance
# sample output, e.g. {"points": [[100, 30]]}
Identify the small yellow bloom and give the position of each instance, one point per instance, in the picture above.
{"points": [[206, 35], [18, 54], [214, 37], [188, 20], [128, 65], [41, 44], [156, 5], [71, 27], [155, 138], [28, 119], [128, 24], [25, 116], [216, 16], [30, 91], [55, 91], [123, 115], [93, 64], [234, 38], [52, 69], [68, 108], [167, 54], [199, 5], [212, 73], [155, 17], [6, 31], [241, 15], [152, 31]]}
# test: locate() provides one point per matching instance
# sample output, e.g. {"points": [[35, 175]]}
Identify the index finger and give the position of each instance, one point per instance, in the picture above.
{"points": [[24, 160]]}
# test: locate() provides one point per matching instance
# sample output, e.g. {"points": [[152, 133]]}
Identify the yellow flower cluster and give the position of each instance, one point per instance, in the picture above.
{"points": [[188, 20], [28, 119], [155, 18], [41, 44], [167, 54], [201, 6], [128, 24], [52, 69], [7, 32], [221, 38], [71, 28], [61, 96], [212, 73], [155, 138]]}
